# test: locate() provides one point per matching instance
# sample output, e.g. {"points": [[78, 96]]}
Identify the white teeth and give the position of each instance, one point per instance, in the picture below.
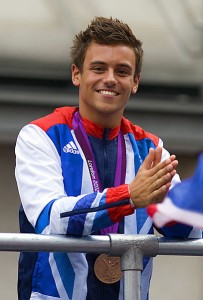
{"points": [[104, 92]]}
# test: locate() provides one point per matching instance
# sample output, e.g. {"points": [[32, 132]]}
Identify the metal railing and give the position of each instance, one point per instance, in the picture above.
{"points": [[131, 249]]}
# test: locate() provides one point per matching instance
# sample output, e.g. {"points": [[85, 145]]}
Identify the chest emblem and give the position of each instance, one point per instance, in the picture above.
{"points": [[71, 148]]}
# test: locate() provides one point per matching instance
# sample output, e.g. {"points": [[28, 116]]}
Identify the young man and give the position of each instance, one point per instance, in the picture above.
{"points": [[88, 170]]}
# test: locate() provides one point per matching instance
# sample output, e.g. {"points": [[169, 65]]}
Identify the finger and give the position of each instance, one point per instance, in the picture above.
{"points": [[172, 157], [172, 166], [163, 181], [175, 163], [173, 173], [163, 167], [158, 155], [147, 164], [158, 195]]}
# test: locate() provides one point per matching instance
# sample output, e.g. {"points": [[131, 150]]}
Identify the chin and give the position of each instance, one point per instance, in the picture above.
{"points": [[108, 111]]}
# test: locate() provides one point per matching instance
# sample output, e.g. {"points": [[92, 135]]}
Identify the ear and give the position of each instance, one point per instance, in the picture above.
{"points": [[75, 75], [136, 84]]}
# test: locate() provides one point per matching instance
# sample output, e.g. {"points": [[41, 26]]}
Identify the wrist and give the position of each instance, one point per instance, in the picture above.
{"points": [[130, 200], [131, 203]]}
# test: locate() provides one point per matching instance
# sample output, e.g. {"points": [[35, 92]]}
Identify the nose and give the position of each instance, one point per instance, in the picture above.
{"points": [[110, 78]]}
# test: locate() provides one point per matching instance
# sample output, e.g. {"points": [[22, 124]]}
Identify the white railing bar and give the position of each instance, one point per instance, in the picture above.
{"points": [[53, 243], [191, 247], [99, 244]]}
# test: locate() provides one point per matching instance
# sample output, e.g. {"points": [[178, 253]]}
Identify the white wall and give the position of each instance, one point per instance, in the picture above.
{"points": [[9, 203], [177, 278]]}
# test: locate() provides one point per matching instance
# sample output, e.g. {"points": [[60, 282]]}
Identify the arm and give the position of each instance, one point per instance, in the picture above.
{"points": [[44, 199]]}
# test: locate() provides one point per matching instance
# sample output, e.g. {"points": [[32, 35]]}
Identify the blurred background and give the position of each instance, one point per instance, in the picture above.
{"points": [[35, 38]]}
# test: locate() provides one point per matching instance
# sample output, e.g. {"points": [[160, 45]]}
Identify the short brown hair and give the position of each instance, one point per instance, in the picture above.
{"points": [[106, 31]]}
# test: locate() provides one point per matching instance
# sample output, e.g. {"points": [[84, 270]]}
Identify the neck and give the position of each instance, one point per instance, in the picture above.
{"points": [[94, 129], [106, 120]]}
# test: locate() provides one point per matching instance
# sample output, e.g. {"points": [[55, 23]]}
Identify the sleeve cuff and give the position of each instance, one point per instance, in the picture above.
{"points": [[118, 194]]}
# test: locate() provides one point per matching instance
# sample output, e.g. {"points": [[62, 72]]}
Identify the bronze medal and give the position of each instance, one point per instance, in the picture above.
{"points": [[108, 268]]}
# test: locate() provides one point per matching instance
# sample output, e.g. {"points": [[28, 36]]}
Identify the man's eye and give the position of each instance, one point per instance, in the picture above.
{"points": [[98, 69], [122, 72]]}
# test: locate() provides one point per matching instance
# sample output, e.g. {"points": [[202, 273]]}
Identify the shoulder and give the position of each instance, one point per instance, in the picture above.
{"points": [[61, 115], [138, 132]]}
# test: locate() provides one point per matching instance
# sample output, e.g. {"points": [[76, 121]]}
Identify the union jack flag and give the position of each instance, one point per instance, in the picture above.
{"points": [[184, 203]]}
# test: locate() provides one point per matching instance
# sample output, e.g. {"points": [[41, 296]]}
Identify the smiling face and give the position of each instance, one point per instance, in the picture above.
{"points": [[105, 83]]}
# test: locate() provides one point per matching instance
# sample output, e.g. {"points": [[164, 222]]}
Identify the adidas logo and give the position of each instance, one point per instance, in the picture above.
{"points": [[70, 148]]}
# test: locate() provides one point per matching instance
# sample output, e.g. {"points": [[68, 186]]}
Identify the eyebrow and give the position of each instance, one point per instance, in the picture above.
{"points": [[98, 62]]}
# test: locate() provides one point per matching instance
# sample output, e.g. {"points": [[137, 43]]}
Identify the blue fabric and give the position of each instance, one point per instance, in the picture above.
{"points": [[44, 218], [43, 281], [27, 261], [72, 163], [188, 194], [66, 272], [105, 154]]}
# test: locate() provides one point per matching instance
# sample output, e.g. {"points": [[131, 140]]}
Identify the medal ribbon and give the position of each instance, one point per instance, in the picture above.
{"points": [[87, 150]]}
